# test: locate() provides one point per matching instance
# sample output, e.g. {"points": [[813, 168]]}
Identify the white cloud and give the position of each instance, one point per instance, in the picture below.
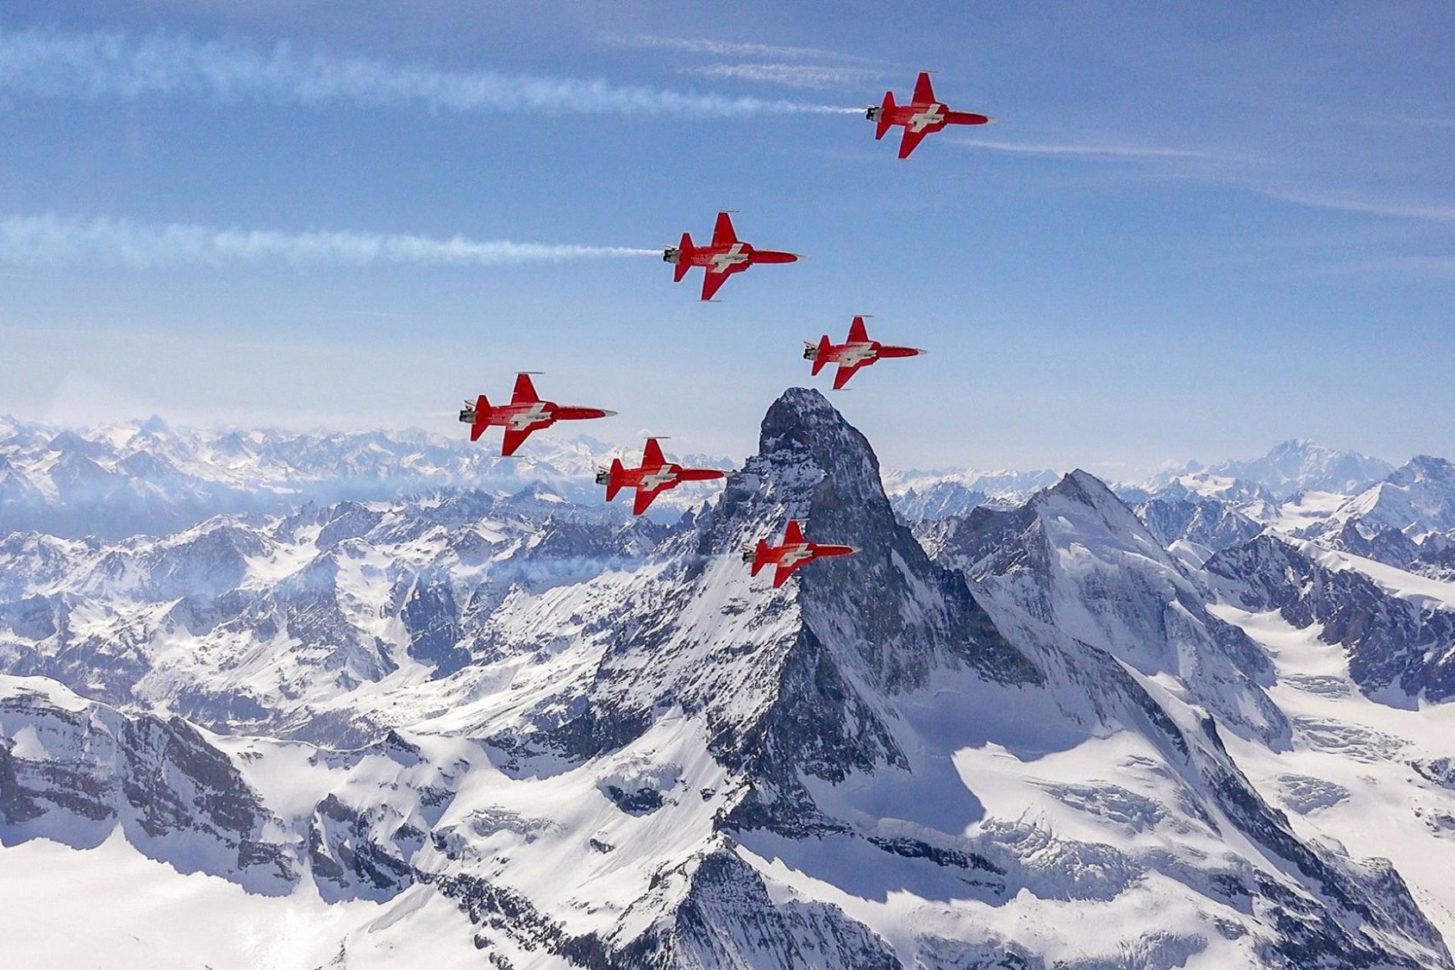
{"points": [[51, 239], [112, 65]]}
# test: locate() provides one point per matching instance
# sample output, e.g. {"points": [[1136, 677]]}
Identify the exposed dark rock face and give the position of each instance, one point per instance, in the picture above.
{"points": [[726, 919], [1391, 641], [348, 862], [176, 796], [1206, 523], [432, 620]]}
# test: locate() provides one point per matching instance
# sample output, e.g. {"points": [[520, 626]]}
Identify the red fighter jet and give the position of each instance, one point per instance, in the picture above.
{"points": [[794, 552], [858, 351], [655, 476], [723, 257], [920, 117], [525, 413]]}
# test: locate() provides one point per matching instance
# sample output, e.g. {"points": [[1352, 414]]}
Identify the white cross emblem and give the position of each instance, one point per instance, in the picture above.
{"points": [[921, 120], [793, 555], [721, 261], [521, 420], [662, 476]]}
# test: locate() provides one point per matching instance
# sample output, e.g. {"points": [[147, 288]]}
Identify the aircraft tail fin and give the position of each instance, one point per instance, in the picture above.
{"points": [[822, 357], [924, 91], [723, 233], [886, 110], [613, 479], [684, 252], [793, 534], [482, 417]]}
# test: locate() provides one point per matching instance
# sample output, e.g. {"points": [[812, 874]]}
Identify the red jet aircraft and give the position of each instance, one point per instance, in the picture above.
{"points": [[723, 257], [525, 413], [920, 117], [858, 351], [794, 552], [654, 477]]}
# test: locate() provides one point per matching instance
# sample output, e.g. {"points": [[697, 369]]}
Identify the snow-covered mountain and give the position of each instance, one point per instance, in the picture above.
{"points": [[1406, 520], [149, 478], [1288, 468], [924, 495], [498, 728]]}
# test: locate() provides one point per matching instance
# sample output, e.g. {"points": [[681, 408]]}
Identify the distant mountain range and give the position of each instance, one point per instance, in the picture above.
{"points": [[408, 705], [152, 479], [1292, 467]]}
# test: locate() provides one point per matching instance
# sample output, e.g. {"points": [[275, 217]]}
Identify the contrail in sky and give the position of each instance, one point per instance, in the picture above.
{"points": [[54, 240], [94, 66]]}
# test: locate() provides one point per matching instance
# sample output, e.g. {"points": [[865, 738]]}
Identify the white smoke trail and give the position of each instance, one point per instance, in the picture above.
{"points": [[817, 76], [718, 48], [52, 240], [111, 65]]}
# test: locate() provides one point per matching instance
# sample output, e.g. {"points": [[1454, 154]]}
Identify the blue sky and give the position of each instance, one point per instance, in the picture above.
{"points": [[1195, 229]]}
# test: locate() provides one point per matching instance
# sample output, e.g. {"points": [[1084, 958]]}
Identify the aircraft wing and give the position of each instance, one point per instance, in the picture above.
{"points": [[858, 333], [652, 456], [846, 371], [924, 92], [525, 391], [513, 440], [722, 231], [644, 498], [911, 140], [781, 574], [712, 282]]}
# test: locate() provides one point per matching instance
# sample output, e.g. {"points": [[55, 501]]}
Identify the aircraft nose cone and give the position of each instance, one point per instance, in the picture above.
{"points": [[607, 414]]}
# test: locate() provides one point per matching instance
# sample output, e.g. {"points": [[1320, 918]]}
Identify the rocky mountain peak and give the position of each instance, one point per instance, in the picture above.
{"points": [[153, 425], [1083, 487], [1422, 469], [801, 426]]}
